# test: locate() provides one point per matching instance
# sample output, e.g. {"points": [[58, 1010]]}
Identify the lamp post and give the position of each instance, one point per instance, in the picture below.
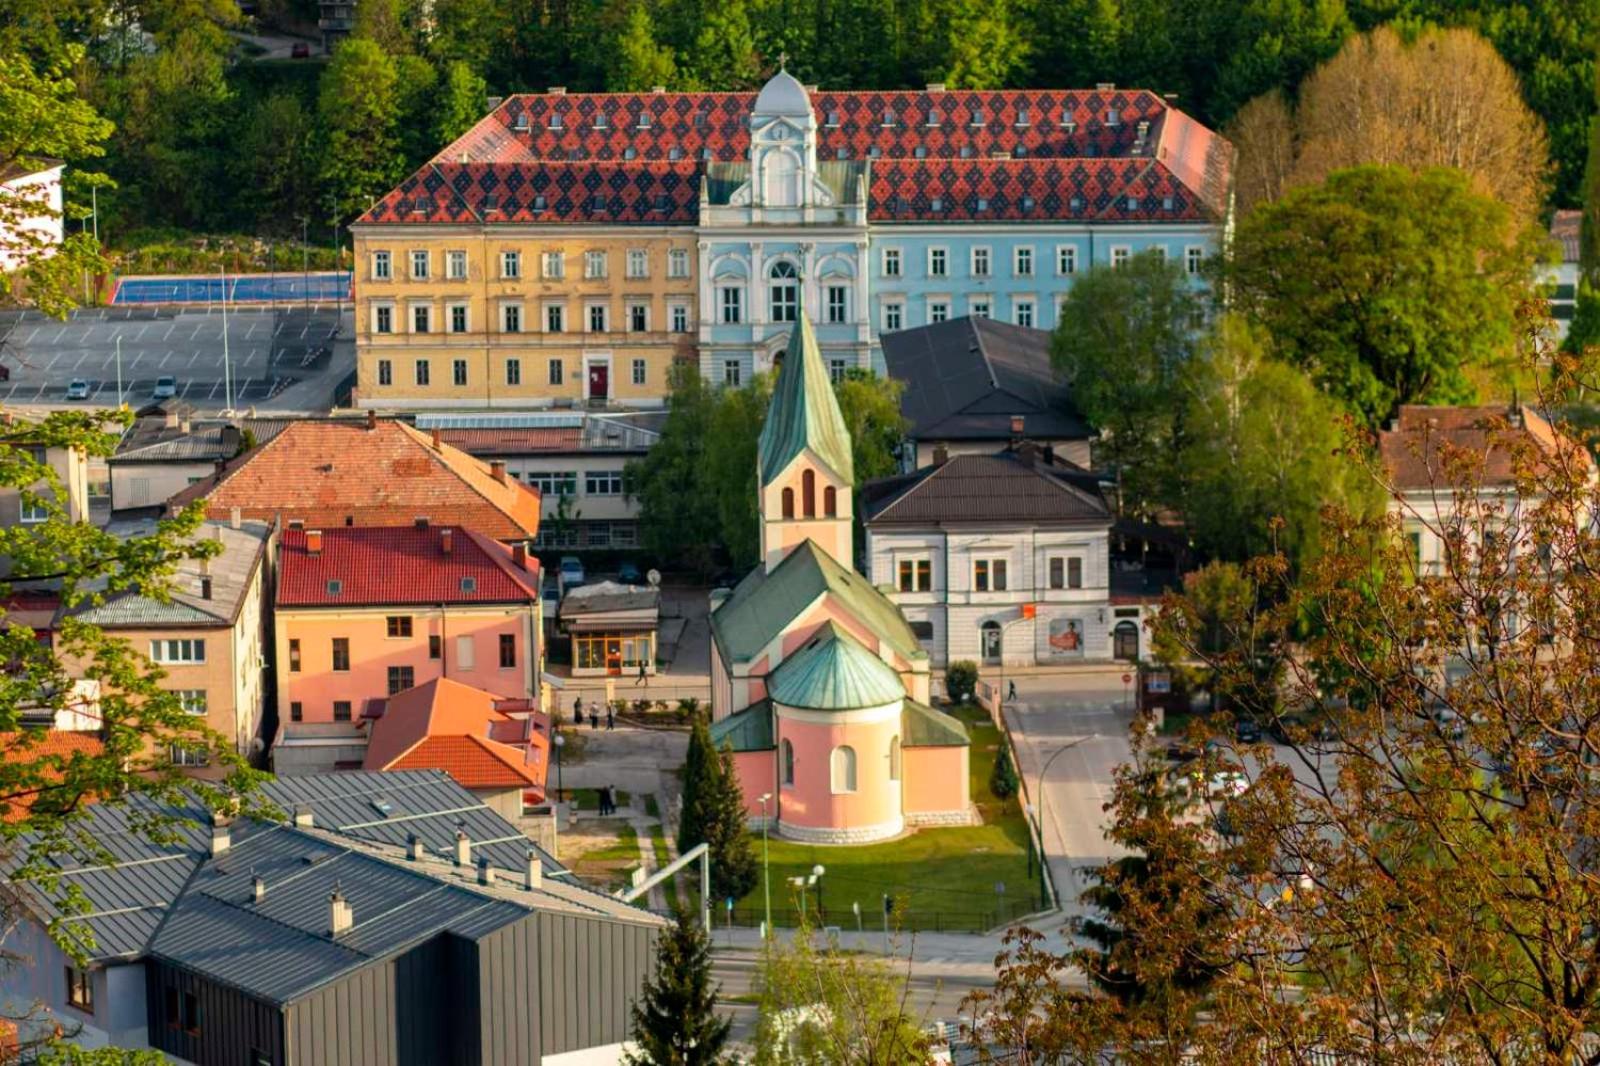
{"points": [[766, 864], [816, 877], [1038, 808], [560, 742]]}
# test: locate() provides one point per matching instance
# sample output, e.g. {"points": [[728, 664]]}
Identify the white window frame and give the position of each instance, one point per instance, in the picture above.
{"points": [[1194, 258], [420, 255], [450, 310], [589, 309], [510, 309], [422, 369], [510, 264], [553, 265], [638, 263], [385, 374], [383, 305], [981, 260], [556, 371], [635, 306], [938, 309], [594, 264], [732, 373], [1066, 256], [892, 262], [383, 265], [30, 514], [943, 255], [184, 651], [513, 371], [411, 317], [1021, 303], [1022, 264], [836, 312], [640, 375], [980, 306], [990, 562], [455, 264], [560, 309], [895, 310], [730, 304], [678, 263], [1118, 255], [912, 559], [678, 316]]}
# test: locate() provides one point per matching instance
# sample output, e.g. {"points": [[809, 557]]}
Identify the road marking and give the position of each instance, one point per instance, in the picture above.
{"points": [[214, 387], [168, 335], [142, 331], [164, 359], [193, 357]]}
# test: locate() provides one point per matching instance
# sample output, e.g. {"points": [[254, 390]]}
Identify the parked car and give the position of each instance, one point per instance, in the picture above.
{"points": [[166, 387], [628, 574], [1247, 731], [301, 50], [77, 389], [571, 570]]}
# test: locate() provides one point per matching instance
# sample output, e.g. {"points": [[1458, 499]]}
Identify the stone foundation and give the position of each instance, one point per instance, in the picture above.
{"points": [[926, 819], [864, 834]]}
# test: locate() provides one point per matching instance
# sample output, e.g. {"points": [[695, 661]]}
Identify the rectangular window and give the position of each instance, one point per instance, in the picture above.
{"points": [[178, 651], [731, 373], [678, 263], [603, 483], [1193, 259], [341, 654], [435, 646], [732, 305], [554, 483], [594, 264], [458, 318], [554, 265], [1058, 572], [838, 304], [980, 308], [640, 368], [597, 318], [891, 262], [191, 1013], [638, 263], [836, 370], [297, 711], [382, 318], [294, 655], [419, 265], [510, 265], [1066, 259], [180, 755], [466, 658], [989, 575], [639, 318], [1022, 313], [423, 376], [508, 651], [915, 575], [421, 318], [680, 317], [385, 372], [511, 318], [893, 317], [398, 626], [382, 266], [401, 678], [555, 318], [192, 700], [1022, 262], [80, 989], [557, 371], [980, 262], [341, 710], [455, 265], [458, 372], [938, 311], [1074, 572], [1119, 257], [513, 371], [938, 262]]}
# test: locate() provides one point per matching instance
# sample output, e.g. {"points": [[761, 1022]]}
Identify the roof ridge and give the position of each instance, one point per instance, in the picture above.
{"points": [[499, 555], [438, 456]]}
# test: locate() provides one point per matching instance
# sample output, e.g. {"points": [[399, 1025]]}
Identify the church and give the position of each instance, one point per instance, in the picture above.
{"points": [[818, 684]]}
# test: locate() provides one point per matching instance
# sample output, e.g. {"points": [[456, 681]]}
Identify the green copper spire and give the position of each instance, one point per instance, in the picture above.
{"points": [[804, 413]]}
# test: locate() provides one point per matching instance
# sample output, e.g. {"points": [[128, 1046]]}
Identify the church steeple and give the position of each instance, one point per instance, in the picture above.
{"points": [[804, 458]]}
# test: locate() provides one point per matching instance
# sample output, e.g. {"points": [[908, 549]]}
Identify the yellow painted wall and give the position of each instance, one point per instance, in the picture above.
{"points": [[486, 348]]}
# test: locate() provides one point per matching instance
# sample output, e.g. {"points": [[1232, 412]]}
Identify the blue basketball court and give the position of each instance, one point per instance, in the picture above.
{"points": [[242, 288]]}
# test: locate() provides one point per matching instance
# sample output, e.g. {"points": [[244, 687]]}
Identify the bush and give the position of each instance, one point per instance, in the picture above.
{"points": [[961, 681], [688, 709], [1003, 778]]}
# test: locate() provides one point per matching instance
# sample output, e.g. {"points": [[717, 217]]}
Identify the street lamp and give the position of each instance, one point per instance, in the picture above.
{"points": [[560, 742], [816, 878], [766, 863], [1038, 807]]}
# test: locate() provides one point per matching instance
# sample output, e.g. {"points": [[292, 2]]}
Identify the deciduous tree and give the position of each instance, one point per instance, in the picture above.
{"points": [[677, 513], [638, 60], [359, 111]]}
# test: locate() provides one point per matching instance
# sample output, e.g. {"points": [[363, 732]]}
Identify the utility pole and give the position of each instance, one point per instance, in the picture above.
{"points": [[305, 259], [119, 370], [227, 365]]}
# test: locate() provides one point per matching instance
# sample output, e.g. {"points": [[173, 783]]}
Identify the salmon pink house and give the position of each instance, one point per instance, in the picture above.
{"points": [[819, 686]]}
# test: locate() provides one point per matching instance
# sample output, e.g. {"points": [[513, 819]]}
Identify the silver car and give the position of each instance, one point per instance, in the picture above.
{"points": [[77, 389], [166, 387]]}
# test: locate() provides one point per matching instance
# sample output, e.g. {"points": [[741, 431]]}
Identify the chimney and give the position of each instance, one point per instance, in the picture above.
{"points": [[533, 875], [221, 837], [557, 90], [435, 438], [463, 848], [485, 872], [1017, 427], [1106, 86], [497, 467], [340, 916], [414, 850], [1049, 455], [372, 419], [519, 555], [936, 86], [171, 419], [1028, 452], [493, 101], [313, 542], [303, 818], [235, 518], [658, 89], [258, 888], [205, 588], [941, 455], [447, 538]]}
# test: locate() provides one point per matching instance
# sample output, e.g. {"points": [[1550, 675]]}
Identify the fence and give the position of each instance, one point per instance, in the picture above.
{"points": [[240, 288], [911, 919]]}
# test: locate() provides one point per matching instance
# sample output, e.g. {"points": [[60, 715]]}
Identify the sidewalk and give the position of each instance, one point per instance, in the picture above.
{"points": [[931, 954]]}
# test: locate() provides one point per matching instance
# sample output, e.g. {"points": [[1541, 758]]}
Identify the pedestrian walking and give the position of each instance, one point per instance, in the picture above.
{"points": [[605, 801], [611, 798], [611, 717], [1011, 690], [577, 710], [644, 676], [594, 718]]}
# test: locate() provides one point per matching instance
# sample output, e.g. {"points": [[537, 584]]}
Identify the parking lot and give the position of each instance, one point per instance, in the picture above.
{"points": [[268, 351]]}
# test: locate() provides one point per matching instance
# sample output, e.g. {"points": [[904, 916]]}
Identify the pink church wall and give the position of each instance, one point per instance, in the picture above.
{"points": [[935, 779], [833, 534], [756, 772], [811, 802]]}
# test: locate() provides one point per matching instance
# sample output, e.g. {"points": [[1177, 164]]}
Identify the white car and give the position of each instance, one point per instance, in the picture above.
{"points": [[571, 571], [77, 389], [166, 387]]}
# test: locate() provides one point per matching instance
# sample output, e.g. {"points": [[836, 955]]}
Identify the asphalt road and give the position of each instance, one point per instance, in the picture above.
{"points": [[268, 351]]}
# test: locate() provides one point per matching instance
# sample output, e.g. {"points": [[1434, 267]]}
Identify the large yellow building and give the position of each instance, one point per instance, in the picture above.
{"points": [[515, 316]]}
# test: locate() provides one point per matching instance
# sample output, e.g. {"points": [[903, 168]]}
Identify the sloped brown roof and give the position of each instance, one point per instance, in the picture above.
{"points": [[1004, 487], [1410, 446], [384, 474], [445, 725]]}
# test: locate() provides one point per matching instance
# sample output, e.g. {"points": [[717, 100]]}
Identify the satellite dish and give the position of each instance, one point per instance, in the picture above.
{"points": [[653, 577]]}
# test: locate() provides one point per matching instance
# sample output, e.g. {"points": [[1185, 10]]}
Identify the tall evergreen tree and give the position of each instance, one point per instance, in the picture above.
{"points": [[733, 860], [698, 770], [359, 111], [674, 1020]]}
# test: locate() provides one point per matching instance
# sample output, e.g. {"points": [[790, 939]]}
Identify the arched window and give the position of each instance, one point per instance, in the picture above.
{"points": [[894, 759], [783, 179], [788, 763], [843, 764], [808, 493], [830, 501], [785, 291], [788, 503]]}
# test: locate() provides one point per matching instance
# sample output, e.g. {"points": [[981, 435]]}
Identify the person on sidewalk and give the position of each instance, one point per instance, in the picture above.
{"points": [[644, 676], [594, 717], [611, 717], [611, 798], [577, 710], [605, 801], [1011, 691]]}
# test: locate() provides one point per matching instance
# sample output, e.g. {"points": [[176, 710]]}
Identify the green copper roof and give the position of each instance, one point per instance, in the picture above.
{"points": [[804, 412], [833, 671], [924, 727], [747, 730], [766, 602]]}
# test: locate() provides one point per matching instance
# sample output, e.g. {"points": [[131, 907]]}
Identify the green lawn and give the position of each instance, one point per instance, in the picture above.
{"points": [[610, 866], [588, 799], [939, 878]]}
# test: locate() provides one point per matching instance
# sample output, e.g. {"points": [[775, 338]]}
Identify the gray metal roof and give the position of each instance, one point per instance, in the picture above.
{"points": [[1001, 489], [966, 378], [205, 443], [231, 574]]}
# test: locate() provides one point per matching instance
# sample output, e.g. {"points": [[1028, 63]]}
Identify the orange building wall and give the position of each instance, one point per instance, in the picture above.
{"points": [[935, 779], [810, 802]]}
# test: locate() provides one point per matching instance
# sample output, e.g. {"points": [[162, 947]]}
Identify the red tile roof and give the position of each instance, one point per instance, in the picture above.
{"points": [[1410, 448], [324, 473], [34, 746], [382, 566], [445, 725], [1120, 155]]}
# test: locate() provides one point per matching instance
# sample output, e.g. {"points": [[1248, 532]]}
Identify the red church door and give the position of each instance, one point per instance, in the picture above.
{"points": [[599, 379]]}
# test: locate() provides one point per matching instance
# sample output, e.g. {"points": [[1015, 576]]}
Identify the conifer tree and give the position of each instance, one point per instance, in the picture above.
{"points": [[698, 767], [733, 860], [1003, 778], [675, 1021]]}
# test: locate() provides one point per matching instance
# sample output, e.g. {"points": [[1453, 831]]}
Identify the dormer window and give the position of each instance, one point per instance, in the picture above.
{"points": [[700, 122], [661, 202], [705, 153], [1075, 204], [1020, 151], [841, 153], [874, 152], [556, 121], [469, 584], [540, 203], [936, 205], [335, 587], [598, 204], [1133, 203], [1166, 203], [978, 118], [644, 120], [966, 151], [983, 203], [521, 124], [920, 152], [1022, 116], [630, 152], [935, 116], [674, 154], [491, 203], [601, 122], [832, 119], [1027, 203], [1113, 117], [888, 116]]}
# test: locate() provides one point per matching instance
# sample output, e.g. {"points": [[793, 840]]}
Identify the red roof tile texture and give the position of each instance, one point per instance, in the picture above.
{"points": [[1411, 447], [372, 566], [330, 473], [445, 725], [33, 746]]}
